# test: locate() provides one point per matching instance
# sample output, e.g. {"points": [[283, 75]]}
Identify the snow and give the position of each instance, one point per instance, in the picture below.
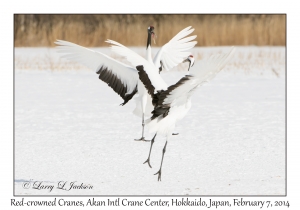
{"points": [[69, 127]]}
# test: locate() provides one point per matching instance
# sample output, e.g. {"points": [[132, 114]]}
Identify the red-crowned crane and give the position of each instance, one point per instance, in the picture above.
{"points": [[122, 78]]}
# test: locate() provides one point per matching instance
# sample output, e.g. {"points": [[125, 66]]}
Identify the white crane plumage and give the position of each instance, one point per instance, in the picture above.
{"points": [[173, 52], [172, 103], [169, 56], [122, 78]]}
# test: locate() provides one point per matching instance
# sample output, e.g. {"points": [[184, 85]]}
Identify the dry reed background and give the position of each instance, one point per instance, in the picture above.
{"points": [[92, 30]]}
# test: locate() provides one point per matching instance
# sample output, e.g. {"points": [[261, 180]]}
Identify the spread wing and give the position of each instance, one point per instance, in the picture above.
{"points": [[204, 71], [122, 78], [162, 107], [179, 93], [175, 51]]}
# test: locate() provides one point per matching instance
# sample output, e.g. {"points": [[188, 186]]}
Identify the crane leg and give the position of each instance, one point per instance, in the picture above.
{"points": [[159, 172], [148, 160], [143, 125]]}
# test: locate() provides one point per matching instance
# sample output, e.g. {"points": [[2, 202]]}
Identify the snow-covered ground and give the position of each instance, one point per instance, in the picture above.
{"points": [[69, 127]]}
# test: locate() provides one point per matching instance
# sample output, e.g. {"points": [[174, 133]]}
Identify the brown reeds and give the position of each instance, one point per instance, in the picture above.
{"points": [[92, 30]]}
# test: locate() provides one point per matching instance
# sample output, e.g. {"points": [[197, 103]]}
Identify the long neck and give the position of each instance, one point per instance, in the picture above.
{"points": [[148, 40], [148, 49], [188, 60], [189, 65], [149, 54]]}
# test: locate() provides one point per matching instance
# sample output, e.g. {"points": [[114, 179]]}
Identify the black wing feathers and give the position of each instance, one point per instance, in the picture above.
{"points": [[159, 97], [145, 80], [164, 93], [163, 109], [112, 81]]}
